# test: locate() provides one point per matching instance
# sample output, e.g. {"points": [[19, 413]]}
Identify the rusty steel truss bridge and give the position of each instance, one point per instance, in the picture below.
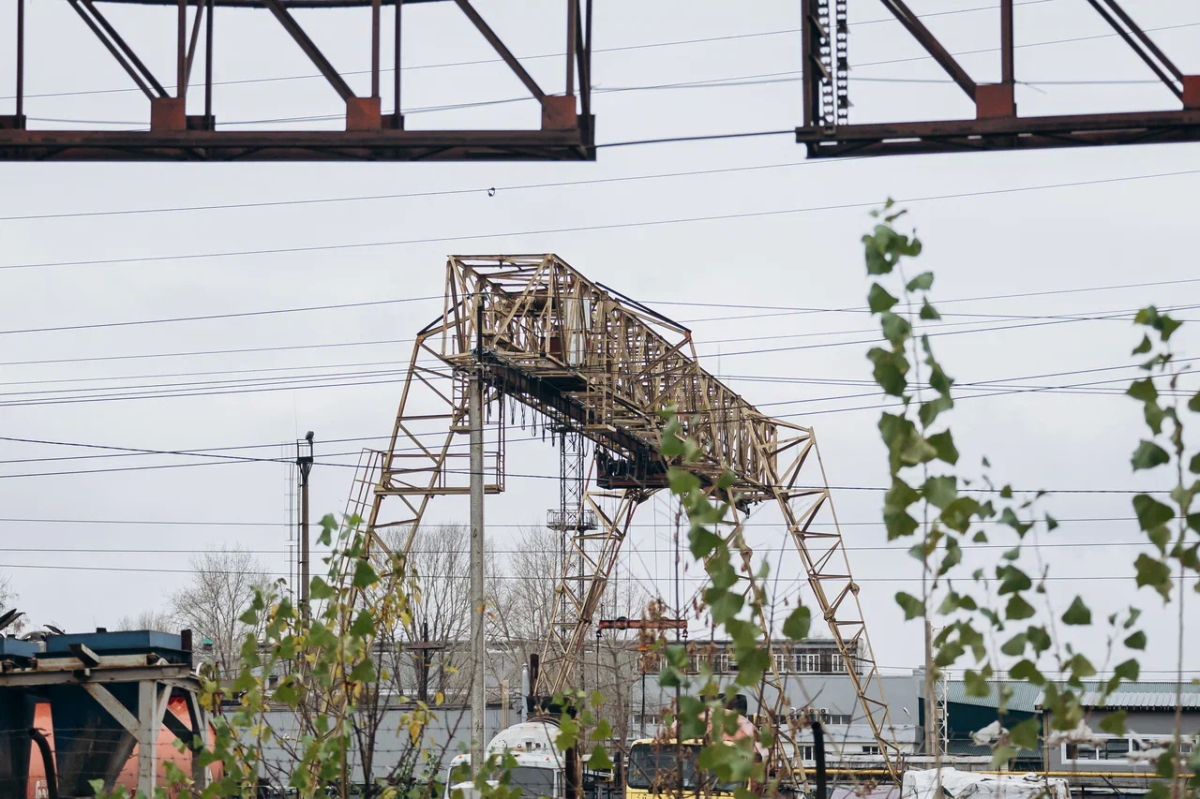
{"points": [[177, 132], [588, 360]]}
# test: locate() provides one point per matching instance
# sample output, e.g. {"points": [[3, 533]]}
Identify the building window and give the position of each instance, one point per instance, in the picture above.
{"points": [[808, 663], [1111, 749], [783, 663], [807, 754], [726, 663], [1080, 752], [870, 750]]}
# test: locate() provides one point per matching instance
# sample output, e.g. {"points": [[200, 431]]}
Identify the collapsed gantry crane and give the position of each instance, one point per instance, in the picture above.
{"points": [[595, 363]]}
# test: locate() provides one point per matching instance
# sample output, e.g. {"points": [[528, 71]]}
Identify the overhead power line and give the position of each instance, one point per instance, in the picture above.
{"points": [[380, 377], [525, 578], [588, 228], [643, 525]]}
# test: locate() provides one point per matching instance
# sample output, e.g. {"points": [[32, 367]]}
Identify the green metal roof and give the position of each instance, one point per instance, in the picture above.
{"points": [[1024, 696], [1149, 695]]}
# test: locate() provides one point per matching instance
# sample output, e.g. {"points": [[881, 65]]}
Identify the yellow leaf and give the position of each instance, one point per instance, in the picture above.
{"points": [[438, 698]]}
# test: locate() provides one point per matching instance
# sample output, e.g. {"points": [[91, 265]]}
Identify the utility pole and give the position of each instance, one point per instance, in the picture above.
{"points": [[478, 600], [304, 461], [931, 739]]}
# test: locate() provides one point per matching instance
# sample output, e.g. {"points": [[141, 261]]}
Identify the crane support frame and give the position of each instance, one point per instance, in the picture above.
{"points": [[586, 358]]}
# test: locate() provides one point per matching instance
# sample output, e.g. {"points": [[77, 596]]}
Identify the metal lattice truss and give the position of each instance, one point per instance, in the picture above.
{"points": [[827, 131], [588, 359], [179, 132]]}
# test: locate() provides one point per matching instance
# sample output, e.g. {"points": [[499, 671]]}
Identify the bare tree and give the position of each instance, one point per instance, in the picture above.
{"points": [[158, 619], [8, 596], [219, 591]]}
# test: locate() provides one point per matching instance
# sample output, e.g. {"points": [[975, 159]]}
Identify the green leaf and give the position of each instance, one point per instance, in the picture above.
{"points": [[1039, 639], [940, 491], [797, 624], [364, 672], [957, 515], [1009, 518], [1142, 348], [723, 605], [1167, 326], [976, 683], [1149, 455], [928, 311], [953, 556], [895, 509], [1154, 573], [1051, 522], [1143, 390], [1018, 609], [1077, 614], [1025, 734], [364, 624], [1160, 537], [1002, 755], [896, 329], [943, 445], [1194, 403], [1114, 723], [906, 447], [364, 574], [1026, 671], [1136, 641], [890, 370], [1128, 671], [930, 410], [600, 759], [1012, 579], [878, 299], [1194, 464], [911, 605], [1080, 666], [319, 589], [922, 282], [1015, 646], [702, 542], [681, 481], [1150, 512]]}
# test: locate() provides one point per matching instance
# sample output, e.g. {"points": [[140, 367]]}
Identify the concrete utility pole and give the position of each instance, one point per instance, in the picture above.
{"points": [[304, 461], [931, 739], [478, 600]]}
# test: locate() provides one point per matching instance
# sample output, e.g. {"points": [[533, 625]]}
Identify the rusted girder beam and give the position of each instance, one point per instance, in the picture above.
{"points": [[500, 48], [236, 145], [310, 49], [931, 44], [1004, 133]]}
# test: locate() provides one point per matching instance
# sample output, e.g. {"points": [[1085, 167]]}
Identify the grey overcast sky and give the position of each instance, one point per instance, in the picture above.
{"points": [[113, 386]]}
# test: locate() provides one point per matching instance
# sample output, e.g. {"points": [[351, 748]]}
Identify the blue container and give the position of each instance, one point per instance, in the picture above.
{"points": [[89, 744], [16, 718], [168, 646], [18, 651]]}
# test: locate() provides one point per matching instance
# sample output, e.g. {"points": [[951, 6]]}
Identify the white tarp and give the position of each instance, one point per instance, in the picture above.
{"points": [[969, 785]]}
